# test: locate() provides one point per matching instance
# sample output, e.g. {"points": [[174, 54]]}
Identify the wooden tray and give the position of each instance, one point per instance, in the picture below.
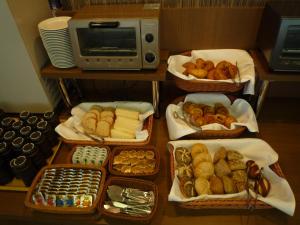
{"points": [[206, 86], [148, 123], [223, 203], [70, 155], [117, 150], [132, 183], [64, 210], [18, 185], [211, 134]]}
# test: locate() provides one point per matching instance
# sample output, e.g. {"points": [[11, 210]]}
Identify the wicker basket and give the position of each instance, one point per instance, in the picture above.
{"points": [[223, 203], [64, 210], [212, 134], [206, 86], [70, 155], [117, 150], [148, 123], [131, 183]]}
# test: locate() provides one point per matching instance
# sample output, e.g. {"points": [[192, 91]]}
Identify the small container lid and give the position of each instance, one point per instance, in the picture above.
{"points": [[9, 135], [48, 115], [35, 136], [7, 121], [18, 142], [25, 130], [28, 148], [18, 162], [24, 114], [3, 146], [42, 125], [32, 120]]}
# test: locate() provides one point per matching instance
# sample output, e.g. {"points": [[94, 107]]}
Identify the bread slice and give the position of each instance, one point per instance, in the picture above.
{"points": [[107, 113], [89, 124], [108, 119], [103, 128]]}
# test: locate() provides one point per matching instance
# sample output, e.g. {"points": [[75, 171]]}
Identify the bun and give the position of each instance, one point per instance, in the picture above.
{"points": [[201, 157], [198, 148], [202, 186], [216, 185], [204, 169]]}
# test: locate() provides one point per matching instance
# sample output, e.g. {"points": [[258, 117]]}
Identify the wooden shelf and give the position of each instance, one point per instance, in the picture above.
{"points": [[49, 71], [265, 73]]}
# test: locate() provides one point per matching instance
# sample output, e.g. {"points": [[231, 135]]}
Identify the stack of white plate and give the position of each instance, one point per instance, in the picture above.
{"points": [[56, 39]]}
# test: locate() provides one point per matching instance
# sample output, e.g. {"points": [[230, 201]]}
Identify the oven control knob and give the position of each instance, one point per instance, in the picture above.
{"points": [[149, 57], [149, 38]]}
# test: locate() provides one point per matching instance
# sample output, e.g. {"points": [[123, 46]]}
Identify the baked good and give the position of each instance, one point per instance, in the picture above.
{"points": [[234, 155], [198, 148], [183, 155], [220, 154], [187, 187], [202, 186], [185, 171], [229, 120], [127, 113], [221, 109], [221, 168], [229, 186], [89, 124], [240, 186], [216, 185], [201, 157], [107, 113], [103, 129], [199, 73], [204, 169], [97, 107], [239, 176], [236, 164], [189, 65], [108, 119]]}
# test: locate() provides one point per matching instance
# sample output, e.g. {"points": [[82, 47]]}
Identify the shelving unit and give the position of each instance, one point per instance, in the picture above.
{"points": [[155, 76], [266, 75]]}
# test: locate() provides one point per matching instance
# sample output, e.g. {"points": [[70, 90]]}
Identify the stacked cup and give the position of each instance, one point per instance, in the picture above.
{"points": [[56, 39]]}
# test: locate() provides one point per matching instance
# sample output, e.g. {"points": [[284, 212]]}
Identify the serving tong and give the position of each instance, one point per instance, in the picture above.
{"points": [[129, 200], [185, 118]]}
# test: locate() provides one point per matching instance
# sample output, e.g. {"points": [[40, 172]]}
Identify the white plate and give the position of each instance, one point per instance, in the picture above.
{"points": [[55, 23]]}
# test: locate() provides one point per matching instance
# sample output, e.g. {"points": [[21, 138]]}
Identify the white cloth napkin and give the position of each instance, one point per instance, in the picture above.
{"points": [[240, 109], [67, 129], [241, 57], [280, 195]]}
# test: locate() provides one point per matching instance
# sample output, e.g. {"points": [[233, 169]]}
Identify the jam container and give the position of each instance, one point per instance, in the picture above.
{"points": [[6, 122], [17, 145], [41, 142], [35, 155], [9, 136], [51, 118], [24, 115], [48, 132], [23, 169], [32, 121], [1, 133], [25, 132], [17, 125], [6, 174]]}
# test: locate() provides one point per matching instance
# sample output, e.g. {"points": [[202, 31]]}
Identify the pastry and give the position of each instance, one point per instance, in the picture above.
{"points": [[149, 155], [189, 65], [229, 186], [185, 171], [220, 154], [216, 185], [202, 186], [198, 148], [183, 155], [187, 187], [221, 168], [221, 109], [229, 120], [233, 155], [239, 176], [208, 110], [204, 169], [201, 157], [236, 165], [240, 186], [198, 73]]}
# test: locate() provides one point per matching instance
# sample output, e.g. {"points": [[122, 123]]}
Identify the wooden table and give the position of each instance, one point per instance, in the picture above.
{"points": [[266, 75], [13, 211]]}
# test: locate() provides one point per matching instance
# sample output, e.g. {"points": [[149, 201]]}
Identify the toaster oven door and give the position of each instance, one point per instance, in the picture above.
{"points": [[102, 44]]}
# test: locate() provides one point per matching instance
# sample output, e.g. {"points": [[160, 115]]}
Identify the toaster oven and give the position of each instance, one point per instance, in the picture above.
{"points": [[116, 37], [279, 35]]}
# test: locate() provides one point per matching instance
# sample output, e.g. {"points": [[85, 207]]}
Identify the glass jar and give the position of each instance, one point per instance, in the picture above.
{"points": [[41, 142], [25, 132], [24, 115], [17, 145], [32, 121], [48, 132], [23, 169], [17, 125], [6, 122], [35, 155]]}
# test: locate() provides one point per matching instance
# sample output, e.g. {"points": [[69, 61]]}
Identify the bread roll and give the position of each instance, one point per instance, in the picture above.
{"points": [[182, 155], [220, 154], [222, 168], [202, 186], [229, 185], [204, 169], [201, 157], [198, 148], [216, 185], [236, 165]]}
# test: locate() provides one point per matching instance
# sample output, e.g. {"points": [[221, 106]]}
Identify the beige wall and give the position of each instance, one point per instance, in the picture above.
{"points": [[22, 56]]}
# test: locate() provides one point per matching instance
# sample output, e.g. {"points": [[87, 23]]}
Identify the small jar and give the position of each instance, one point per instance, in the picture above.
{"points": [[24, 115], [23, 169], [48, 132], [1, 133], [25, 132], [6, 174], [17, 145], [35, 155], [51, 118], [9, 136], [41, 142], [6, 122], [6, 154], [32, 121], [17, 125]]}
